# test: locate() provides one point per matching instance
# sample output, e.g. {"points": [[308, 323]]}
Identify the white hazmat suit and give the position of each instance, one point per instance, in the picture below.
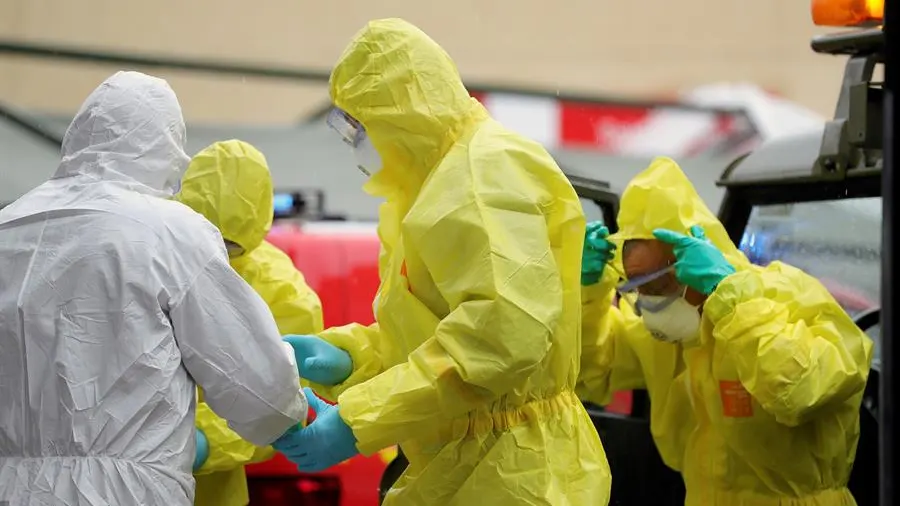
{"points": [[113, 302]]}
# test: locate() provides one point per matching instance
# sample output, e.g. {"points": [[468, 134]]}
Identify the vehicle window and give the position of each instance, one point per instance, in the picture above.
{"points": [[592, 211], [838, 242]]}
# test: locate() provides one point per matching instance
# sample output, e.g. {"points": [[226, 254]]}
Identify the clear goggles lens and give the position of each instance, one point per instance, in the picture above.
{"points": [[350, 130], [629, 292], [633, 285]]}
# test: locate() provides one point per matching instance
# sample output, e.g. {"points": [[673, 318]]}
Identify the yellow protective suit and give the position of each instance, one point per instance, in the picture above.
{"points": [[472, 364], [764, 409], [229, 184]]}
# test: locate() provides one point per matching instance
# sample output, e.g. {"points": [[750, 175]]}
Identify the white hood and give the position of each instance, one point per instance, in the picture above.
{"points": [[130, 129]]}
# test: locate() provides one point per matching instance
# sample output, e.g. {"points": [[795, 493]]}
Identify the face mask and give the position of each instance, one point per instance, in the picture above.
{"points": [[367, 158], [676, 322]]}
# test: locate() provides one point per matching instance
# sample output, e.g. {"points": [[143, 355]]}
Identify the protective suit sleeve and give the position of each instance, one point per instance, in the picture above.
{"points": [[295, 306], [361, 342], [504, 291], [608, 363], [227, 450], [230, 345], [796, 351]]}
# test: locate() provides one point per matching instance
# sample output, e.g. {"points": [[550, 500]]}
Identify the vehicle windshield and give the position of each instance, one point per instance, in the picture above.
{"points": [[837, 241]]}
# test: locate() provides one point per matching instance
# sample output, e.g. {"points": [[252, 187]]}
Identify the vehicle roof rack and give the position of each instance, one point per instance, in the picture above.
{"points": [[850, 144], [850, 43], [854, 138]]}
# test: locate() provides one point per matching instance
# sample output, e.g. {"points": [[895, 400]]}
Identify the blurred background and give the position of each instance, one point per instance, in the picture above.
{"points": [[609, 83], [605, 85]]}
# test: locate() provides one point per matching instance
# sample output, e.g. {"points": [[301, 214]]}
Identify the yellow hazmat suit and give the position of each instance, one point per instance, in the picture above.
{"points": [[472, 364], [229, 184], [764, 408]]}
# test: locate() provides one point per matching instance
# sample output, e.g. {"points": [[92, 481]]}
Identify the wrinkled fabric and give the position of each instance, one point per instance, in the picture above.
{"points": [[764, 410], [222, 480], [116, 301], [472, 364], [229, 183]]}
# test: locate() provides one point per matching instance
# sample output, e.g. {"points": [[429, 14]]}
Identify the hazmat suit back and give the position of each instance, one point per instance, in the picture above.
{"points": [[229, 184], [115, 301], [473, 360], [764, 408]]}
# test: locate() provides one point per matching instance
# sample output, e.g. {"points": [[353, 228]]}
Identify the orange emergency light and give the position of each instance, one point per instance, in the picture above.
{"points": [[848, 12]]}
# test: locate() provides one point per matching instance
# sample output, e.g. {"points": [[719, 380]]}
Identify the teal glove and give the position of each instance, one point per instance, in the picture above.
{"points": [[326, 442], [698, 263], [597, 252], [320, 361], [202, 452]]}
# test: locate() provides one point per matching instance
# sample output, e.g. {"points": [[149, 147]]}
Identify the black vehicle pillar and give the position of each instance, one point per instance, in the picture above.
{"points": [[892, 77]]}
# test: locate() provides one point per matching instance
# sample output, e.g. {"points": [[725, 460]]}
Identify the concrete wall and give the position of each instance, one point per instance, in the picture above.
{"points": [[621, 47]]}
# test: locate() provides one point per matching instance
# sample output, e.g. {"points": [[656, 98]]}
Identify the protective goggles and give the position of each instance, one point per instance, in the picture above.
{"points": [[655, 299], [350, 130]]}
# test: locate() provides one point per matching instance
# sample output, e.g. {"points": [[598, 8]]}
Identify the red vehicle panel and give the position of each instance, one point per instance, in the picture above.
{"points": [[340, 262]]}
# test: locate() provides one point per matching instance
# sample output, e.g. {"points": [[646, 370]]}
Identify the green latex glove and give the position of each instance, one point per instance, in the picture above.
{"points": [[698, 263], [597, 252]]}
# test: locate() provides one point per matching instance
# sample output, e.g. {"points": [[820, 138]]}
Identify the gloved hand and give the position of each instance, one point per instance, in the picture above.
{"points": [[326, 442], [597, 252], [320, 361], [698, 263], [202, 452]]}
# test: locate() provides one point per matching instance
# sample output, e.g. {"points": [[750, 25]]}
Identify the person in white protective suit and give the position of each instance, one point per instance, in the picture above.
{"points": [[114, 300]]}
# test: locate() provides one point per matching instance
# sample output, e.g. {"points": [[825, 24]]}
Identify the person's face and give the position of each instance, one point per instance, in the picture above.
{"points": [[641, 257]]}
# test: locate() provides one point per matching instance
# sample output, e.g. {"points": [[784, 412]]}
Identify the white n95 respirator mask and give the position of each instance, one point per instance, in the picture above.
{"points": [[675, 322]]}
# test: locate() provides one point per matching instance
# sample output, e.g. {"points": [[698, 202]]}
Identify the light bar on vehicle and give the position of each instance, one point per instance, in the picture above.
{"points": [[845, 13]]}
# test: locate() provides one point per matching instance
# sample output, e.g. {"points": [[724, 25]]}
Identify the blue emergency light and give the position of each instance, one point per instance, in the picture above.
{"points": [[284, 204]]}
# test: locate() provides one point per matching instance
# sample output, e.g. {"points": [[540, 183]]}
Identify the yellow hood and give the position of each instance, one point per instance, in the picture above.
{"points": [[229, 183], [661, 196], [406, 92]]}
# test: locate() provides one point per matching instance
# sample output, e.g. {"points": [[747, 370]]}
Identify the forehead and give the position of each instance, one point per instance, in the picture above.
{"points": [[645, 256]]}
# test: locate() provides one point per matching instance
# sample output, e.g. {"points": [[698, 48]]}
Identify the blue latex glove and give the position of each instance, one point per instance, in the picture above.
{"points": [[326, 442], [698, 263], [320, 361], [597, 252], [202, 452]]}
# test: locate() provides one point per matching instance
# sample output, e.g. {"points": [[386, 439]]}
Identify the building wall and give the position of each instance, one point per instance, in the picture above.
{"points": [[632, 48]]}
